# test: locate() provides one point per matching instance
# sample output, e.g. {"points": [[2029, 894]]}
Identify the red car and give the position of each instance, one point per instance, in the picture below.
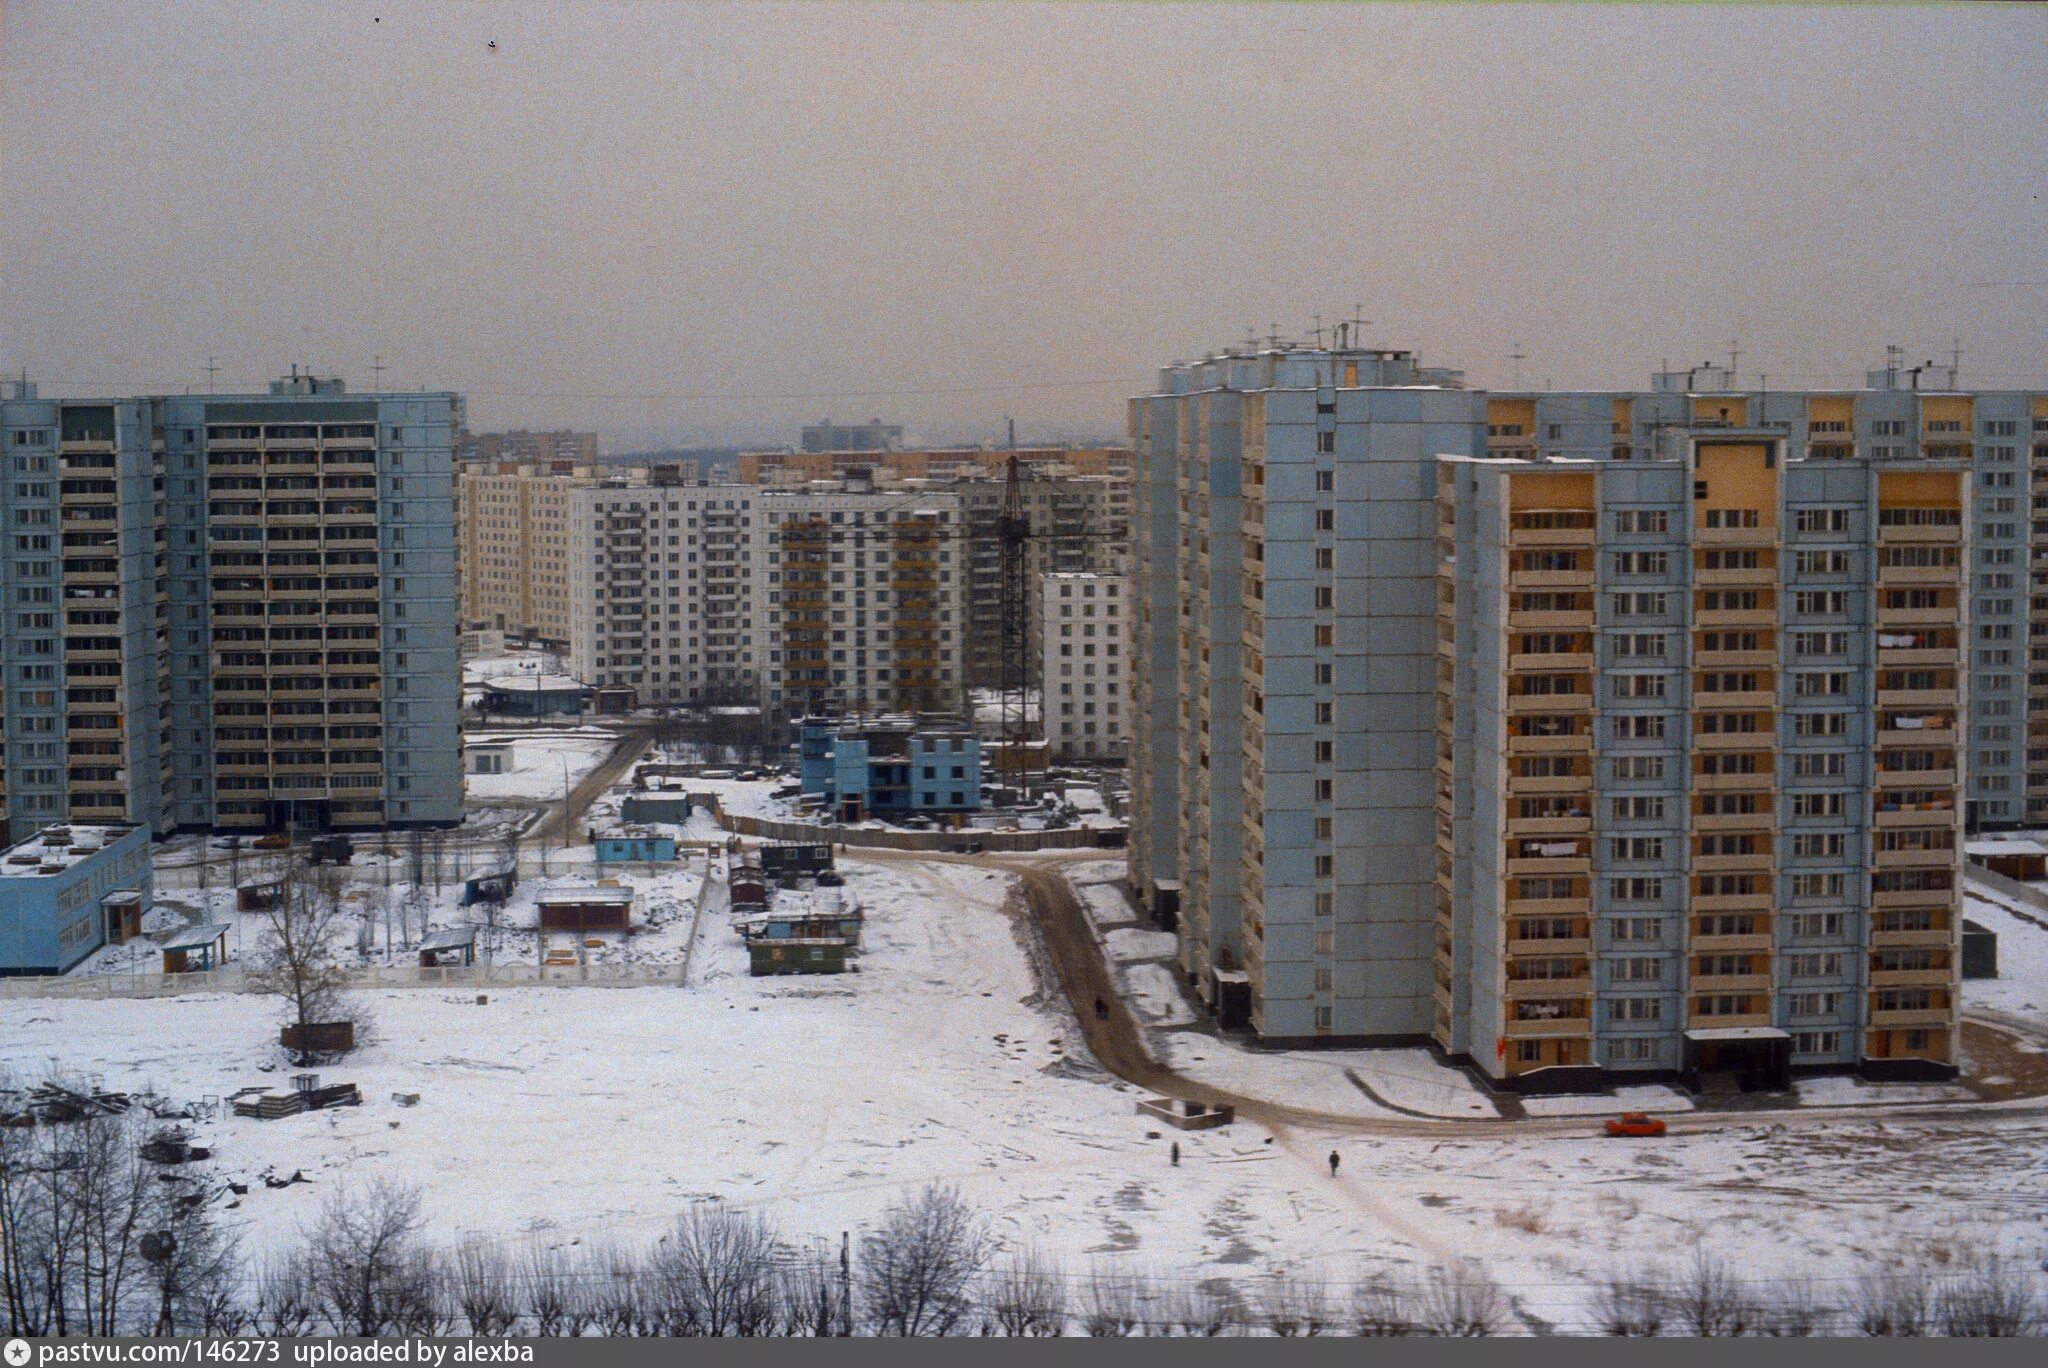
{"points": [[1634, 1124]]}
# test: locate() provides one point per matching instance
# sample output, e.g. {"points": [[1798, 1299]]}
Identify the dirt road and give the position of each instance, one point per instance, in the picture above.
{"points": [[1071, 944]]}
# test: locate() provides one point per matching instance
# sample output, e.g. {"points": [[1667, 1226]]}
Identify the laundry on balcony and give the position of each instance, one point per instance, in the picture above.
{"points": [[1549, 850]]}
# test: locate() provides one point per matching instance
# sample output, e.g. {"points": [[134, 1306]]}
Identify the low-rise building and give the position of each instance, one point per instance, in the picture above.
{"points": [[889, 768], [68, 890]]}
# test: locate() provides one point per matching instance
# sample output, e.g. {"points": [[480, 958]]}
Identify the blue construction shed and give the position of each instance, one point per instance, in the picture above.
{"points": [[633, 849], [68, 890], [889, 768]]}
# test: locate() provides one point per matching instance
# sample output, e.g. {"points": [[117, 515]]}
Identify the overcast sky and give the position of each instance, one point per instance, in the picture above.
{"points": [[688, 221]]}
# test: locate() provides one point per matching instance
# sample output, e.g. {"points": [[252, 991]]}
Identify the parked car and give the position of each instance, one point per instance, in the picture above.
{"points": [[1638, 1124], [276, 840], [829, 878]]}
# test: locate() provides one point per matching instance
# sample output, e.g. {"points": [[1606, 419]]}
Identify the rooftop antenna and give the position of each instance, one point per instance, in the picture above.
{"points": [[1734, 358], [1316, 331], [1894, 357], [211, 371], [1359, 323], [1343, 335], [377, 369], [1518, 356], [1251, 338], [1273, 334], [1955, 362]]}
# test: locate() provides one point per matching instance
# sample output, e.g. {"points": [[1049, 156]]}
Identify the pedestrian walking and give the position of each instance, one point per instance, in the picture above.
{"points": [[1333, 1163], [1176, 1154]]}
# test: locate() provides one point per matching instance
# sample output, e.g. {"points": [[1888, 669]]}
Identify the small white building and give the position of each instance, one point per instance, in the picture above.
{"points": [[488, 757], [1085, 632]]}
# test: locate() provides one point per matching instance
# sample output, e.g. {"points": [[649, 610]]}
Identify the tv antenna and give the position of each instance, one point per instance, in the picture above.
{"points": [[1316, 331], [377, 369], [1518, 356], [211, 371]]}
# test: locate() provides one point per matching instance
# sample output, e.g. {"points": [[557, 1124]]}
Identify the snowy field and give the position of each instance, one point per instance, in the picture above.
{"points": [[543, 765], [563, 1114]]}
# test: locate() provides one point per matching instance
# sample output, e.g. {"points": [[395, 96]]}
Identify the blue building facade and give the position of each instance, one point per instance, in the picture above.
{"points": [[53, 888], [889, 769], [636, 849]]}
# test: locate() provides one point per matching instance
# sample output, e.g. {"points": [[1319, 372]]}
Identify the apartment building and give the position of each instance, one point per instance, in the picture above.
{"points": [[1285, 789], [512, 536], [926, 463], [1698, 794], [83, 580], [863, 594], [244, 615], [1082, 672], [661, 590], [520, 447], [1079, 524]]}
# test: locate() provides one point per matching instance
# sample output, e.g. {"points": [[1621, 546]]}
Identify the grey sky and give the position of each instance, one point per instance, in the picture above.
{"points": [[692, 200]]}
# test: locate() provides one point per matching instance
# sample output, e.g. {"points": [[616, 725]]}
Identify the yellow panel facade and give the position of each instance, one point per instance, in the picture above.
{"points": [[1545, 489], [1732, 409], [1738, 475], [1919, 489]]}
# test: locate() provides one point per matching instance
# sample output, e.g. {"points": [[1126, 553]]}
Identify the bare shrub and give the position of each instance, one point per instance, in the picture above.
{"points": [[1708, 1300], [550, 1289], [1628, 1308], [1527, 1218], [1794, 1309], [918, 1271], [1384, 1307], [286, 1302], [1896, 1303], [1110, 1304], [617, 1292], [1458, 1299], [367, 1262], [1204, 1310], [1990, 1297], [76, 1202], [194, 1267], [1293, 1307], [1025, 1294], [483, 1289]]}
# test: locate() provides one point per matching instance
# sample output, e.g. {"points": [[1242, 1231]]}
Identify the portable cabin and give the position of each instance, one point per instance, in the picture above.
{"points": [[631, 848], [585, 907], [794, 857], [749, 886], [810, 955], [672, 808]]}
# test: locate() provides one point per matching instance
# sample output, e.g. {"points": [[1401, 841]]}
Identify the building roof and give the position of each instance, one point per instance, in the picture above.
{"points": [[57, 848], [1709, 1034], [534, 684], [195, 937], [580, 892], [2004, 845], [449, 938]]}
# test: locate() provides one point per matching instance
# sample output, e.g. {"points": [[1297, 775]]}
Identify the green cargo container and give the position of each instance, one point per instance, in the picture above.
{"points": [[799, 955]]}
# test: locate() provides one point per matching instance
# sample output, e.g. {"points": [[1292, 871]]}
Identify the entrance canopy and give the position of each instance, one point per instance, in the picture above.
{"points": [[1722, 1033]]}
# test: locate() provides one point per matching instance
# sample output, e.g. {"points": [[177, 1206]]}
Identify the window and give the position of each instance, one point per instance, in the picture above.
{"points": [[1326, 442], [1638, 604], [1641, 521], [1647, 807], [1637, 969], [1636, 889], [1639, 727], [1623, 848], [1636, 930], [1639, 767], [1641, 563], [1326, 481], [1635, 1009]]}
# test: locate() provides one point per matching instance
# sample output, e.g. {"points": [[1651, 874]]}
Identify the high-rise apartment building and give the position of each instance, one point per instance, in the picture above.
{"points": [[1293, 792], [1083, 675], [520, 447], [512, 539], [231, 611], [1079, 524]]}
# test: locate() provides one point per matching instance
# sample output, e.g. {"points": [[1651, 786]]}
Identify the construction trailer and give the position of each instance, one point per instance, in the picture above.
{"points": [[584, 907], [635, 848], [803, 955], [794, 857]]}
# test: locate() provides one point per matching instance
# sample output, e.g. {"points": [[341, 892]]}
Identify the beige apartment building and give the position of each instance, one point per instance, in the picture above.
{"points": [[512, 530]]}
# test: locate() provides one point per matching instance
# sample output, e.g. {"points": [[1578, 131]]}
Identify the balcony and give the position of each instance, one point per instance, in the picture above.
{"points": [[1922, 532], [1936, 899], [1901, 940], [1912, 859], [1697, 1021], [1926, 1016], [1940, 778], [1917, 698], [1576, 620], [1731, 983], [1549, 988], [1900, 576], [1757, 700], [1521, 785], [1715, 618], [1937, 737], [1530, 866], [1547, 1030], [1732, 902], [1747, 575], [1580, 946], [1536, 662], [1734, 821], [1549, 826], [1928, 615], [1912, 978], [1750, 944], [1760, 781], [1581, 744], [1519, 537], [1899, 657], [1755, 862], [1915, 817], [1548, 703], [1550, 579], [1734, 741], [1729, 660], [1735, 536]]}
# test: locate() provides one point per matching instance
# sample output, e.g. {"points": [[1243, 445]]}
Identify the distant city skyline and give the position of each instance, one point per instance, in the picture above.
{"points": [[680, 225]]}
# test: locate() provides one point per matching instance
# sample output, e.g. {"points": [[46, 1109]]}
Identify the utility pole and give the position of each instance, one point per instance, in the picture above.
{"points": [[845, 1283], [1013, 528]]}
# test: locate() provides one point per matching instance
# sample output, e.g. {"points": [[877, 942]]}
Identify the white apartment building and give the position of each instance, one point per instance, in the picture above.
{"points": [[1085, 640]]}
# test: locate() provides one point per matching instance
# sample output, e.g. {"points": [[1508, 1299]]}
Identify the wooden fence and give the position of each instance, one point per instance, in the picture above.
{"points": [[768, 828]]}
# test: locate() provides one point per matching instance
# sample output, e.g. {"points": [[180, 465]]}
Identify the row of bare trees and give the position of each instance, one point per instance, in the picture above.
{"points": [[95, 1240]]}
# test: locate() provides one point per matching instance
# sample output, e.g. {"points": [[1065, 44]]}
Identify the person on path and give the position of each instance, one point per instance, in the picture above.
{"points": [[1101, 1010], [1333, 1163], [1176, 1154]]}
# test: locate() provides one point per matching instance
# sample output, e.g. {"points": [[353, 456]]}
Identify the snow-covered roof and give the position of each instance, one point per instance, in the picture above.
{"points": [[1713, 1033], [2004, 845], [56, 848], [582, 892], [195, 937], [449, 938], [525, 683]]}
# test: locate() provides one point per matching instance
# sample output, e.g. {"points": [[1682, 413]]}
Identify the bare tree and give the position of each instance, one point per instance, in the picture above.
{"points": [[1627, 1307], [811, 1300], [1459, 1299], [483, 1289], [193, 1265], [287, 1299], [1794, 1309], [918, 1270], [1383, 1308], [1991, 1296], [1026, 1295], [620, 1297], [296, 954], [716, 1272], [1291, 1307], [97, 1193], [1895, 1303], [550, 1295], [1110, 1304], [27, 1233], [366, 1256], [1708, 1300], [1206, 1309]]}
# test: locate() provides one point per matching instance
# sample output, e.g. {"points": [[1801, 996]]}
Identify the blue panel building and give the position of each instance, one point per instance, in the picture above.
{"points": [[889, 768], [633, 848], [55, 889]]}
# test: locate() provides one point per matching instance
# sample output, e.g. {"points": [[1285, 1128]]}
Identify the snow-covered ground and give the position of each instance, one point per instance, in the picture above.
{"points": [[544, 765], [567, 1114], [2022, 983]]}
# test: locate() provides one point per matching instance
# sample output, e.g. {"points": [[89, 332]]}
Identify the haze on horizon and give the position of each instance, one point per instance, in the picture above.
{"points": [[679, 222]]}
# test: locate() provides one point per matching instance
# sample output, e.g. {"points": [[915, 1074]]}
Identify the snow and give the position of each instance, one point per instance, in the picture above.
{"points": [[2022, 983], [544, 763], [1131, 943], [568, 1113], [1642, 1097]]}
